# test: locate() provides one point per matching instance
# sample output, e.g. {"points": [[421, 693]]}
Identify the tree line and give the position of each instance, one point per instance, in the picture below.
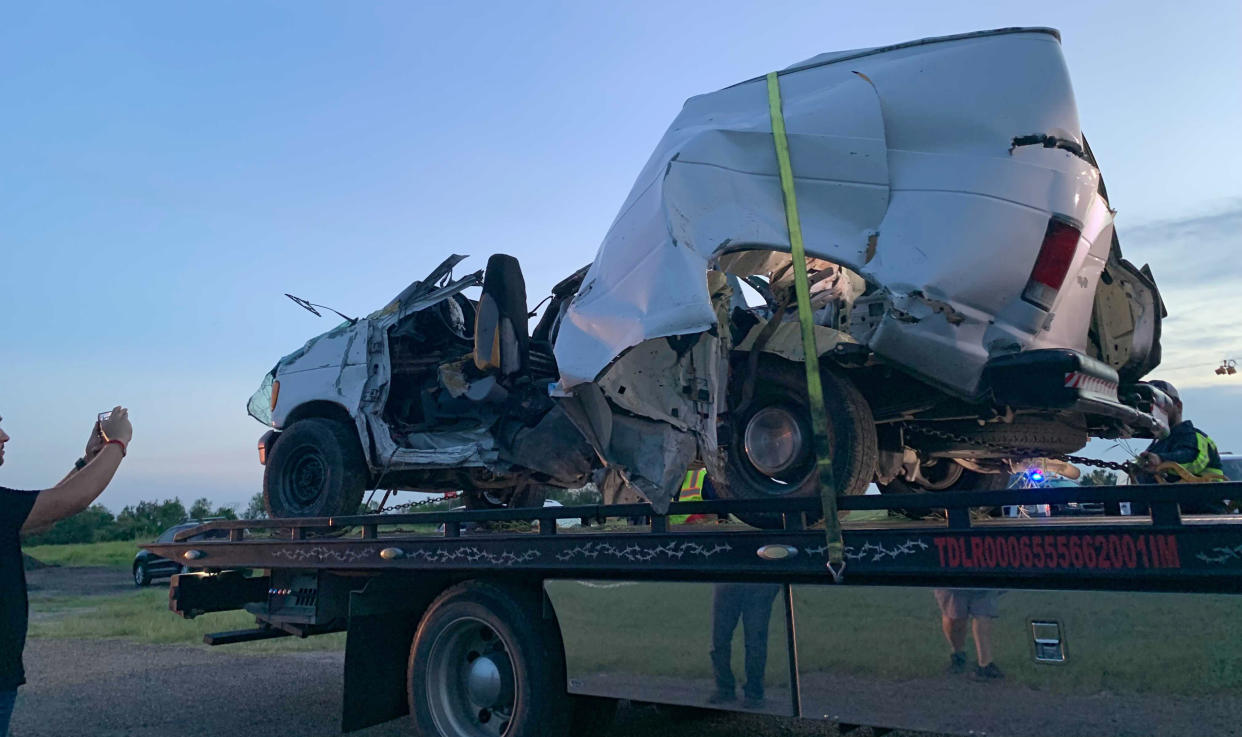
{"points": [[142, 521], [146, 520]]}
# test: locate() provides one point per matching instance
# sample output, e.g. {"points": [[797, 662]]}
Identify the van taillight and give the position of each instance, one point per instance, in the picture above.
{"points": [[1055, 256]]}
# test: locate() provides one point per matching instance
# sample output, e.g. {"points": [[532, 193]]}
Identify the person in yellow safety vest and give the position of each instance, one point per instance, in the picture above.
{"points": [[1185, 454], [691, 491]]}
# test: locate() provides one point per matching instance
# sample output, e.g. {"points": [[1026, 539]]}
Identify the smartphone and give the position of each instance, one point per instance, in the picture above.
{"points": [[103, 416]]}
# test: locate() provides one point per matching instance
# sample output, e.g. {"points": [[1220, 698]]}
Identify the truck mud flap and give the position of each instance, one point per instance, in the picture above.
{"points": [[382, 620]]}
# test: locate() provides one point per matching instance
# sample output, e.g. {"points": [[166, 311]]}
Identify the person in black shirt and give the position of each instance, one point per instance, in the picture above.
{"points": [[25, 512]]}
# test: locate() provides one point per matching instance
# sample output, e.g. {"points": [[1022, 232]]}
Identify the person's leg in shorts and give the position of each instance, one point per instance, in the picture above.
{"points": [[953, 622], [983, 609]]}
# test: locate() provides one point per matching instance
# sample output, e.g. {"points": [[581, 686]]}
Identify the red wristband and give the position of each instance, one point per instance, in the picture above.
{"points": [[118, 442]]}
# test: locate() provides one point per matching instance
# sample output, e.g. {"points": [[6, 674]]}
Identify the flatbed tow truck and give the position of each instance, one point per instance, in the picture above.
{"points": [[499, 622]]}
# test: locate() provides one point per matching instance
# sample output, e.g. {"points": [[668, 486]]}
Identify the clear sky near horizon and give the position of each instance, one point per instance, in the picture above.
{"points": [[169, 170]]}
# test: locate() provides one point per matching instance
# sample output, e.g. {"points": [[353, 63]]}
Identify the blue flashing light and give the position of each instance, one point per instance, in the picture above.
{"points": [[1035, 475]]}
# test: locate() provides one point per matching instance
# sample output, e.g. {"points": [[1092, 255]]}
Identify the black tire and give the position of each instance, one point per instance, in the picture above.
{"points": [[316, 469], [1045, 434], [781, 385], [470, 631], [142, 577], [591, 716]]}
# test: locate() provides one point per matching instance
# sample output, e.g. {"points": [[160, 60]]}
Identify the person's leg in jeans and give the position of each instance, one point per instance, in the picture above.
{"points": [[726, 609], [756, 614], [6, 710]]}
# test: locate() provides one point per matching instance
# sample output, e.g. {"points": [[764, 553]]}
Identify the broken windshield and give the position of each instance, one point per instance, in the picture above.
{"points": [[260, 404]]}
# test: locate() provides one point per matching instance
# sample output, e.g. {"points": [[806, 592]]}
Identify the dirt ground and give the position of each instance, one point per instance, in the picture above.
{"points": [[119, 687], [78, 581], [115, 688]]}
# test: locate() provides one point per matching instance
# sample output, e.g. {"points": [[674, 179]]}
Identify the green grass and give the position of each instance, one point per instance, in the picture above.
{"points": [[143, 616], [116, 553], [1115, 642]]}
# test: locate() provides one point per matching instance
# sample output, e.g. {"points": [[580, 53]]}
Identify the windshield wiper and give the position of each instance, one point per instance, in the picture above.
{"points": [[310, 306]]}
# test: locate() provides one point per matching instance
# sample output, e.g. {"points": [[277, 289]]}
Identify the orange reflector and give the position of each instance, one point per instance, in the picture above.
{"points": [[275, 394]]}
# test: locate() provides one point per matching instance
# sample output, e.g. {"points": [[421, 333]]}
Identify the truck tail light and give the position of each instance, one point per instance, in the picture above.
{"points": [[1055, 255]]}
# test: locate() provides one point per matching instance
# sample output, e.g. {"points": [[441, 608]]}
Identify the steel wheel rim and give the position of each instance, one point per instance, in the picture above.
{"points": [[305, 477], [773, 440], [794, 469], [471, 685]]}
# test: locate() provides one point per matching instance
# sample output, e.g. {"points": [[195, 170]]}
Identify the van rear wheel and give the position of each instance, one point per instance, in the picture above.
{"points": [[771, 453]]}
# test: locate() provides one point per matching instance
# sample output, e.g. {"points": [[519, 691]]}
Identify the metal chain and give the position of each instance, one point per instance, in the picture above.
{"points": [[1124, 467], [409, 505]]}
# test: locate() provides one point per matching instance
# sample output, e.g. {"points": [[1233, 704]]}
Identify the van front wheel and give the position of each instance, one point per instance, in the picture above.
{"points": [[316, 469]]}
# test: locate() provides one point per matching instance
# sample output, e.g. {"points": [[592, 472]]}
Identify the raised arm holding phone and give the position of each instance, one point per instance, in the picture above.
{"points": [[25, 512]]}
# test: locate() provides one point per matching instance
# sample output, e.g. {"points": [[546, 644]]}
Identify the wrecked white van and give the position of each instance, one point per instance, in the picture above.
{"points": [[971, 301]]}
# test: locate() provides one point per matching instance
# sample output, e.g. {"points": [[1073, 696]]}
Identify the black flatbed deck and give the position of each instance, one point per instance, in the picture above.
{"points": [[1165, 551]]}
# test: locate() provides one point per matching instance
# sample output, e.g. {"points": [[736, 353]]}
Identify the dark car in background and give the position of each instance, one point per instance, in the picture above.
{"points": [[1232, 466], [149, 566]]}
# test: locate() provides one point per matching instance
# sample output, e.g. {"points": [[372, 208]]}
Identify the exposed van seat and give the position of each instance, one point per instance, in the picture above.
{"points": [[501, 340]]}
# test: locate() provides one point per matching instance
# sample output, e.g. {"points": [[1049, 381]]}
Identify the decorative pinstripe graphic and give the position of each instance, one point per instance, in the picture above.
{"points": [[876, 552], [1217, 556], [642, 553], [320, 553], [472, 555]]}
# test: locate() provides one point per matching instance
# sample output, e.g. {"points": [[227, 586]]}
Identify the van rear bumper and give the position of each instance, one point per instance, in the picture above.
{"points": [[1064, 380]]}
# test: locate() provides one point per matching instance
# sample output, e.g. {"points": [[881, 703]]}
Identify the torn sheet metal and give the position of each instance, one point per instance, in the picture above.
{"points": [[653, 455], [905, 174], [463, 448], [330, 367], [786, 340], [712, 187]]}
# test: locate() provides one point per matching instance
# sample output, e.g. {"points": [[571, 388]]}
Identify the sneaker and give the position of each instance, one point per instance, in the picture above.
{"points": [[988, 673], [753, 702], [957, 664], [722, 697]]}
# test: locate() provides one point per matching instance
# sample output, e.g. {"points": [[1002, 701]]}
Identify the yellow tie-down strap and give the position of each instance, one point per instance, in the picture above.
{"points": [[802, 290]]}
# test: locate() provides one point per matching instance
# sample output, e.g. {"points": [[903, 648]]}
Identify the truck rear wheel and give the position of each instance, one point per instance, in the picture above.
{"points": [[316, 469], [772, 454], [486, 662]]}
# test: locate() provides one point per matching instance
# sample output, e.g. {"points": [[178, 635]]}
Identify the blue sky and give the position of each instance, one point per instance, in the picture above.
{"points": [[169, 170]]}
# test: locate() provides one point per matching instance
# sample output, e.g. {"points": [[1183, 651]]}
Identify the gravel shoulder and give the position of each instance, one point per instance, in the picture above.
{"points": [[118, 687], [115, 688], [60, 581]]}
